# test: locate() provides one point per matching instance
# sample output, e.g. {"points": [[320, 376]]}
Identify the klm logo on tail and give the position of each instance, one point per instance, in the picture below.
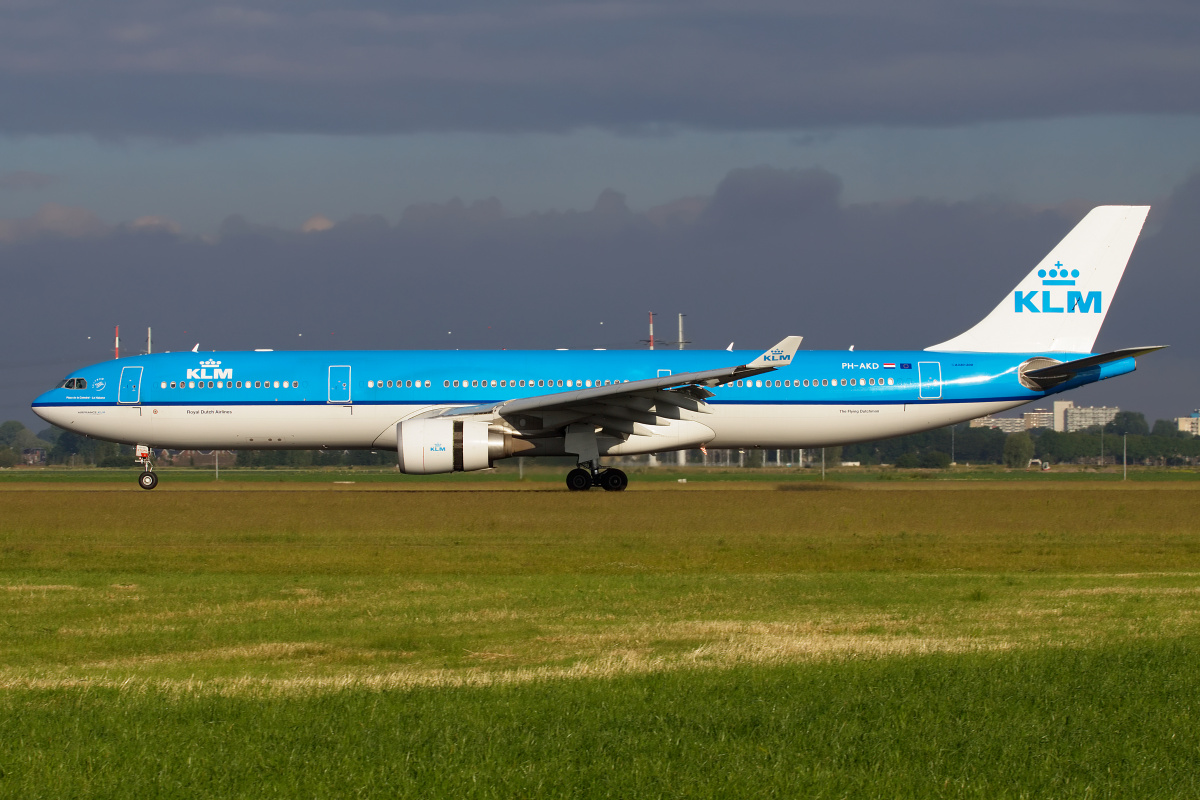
{"points": [[1076, 301]]}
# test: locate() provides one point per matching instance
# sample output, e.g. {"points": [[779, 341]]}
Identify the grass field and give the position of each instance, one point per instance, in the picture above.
{"points": [[891, 638]]}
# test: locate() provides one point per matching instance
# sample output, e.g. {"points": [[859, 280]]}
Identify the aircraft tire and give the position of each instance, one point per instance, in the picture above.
{"points": [[147, 480], [579, 480], [613, 480]]}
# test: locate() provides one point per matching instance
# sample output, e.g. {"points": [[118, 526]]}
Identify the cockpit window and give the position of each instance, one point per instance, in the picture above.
{"points": [[72, 383], [81, 383]]}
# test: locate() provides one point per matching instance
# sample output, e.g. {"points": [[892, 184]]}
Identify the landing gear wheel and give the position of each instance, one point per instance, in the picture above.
{"points": [[147, 480], [579, 480], [613, 480]]}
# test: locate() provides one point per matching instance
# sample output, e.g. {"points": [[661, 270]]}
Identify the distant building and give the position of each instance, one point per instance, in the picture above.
{"points": [[1060, 414], [1038, 418], [1190, 424], [1079, 418], [1005, 424], [33, 456]]}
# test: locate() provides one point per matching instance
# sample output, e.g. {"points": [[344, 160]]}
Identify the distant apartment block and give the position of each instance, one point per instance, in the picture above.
{"points": [[1079, 418], [1190, 424], [1069, 417], [1065, 416], [1005, 424], [1060, 414], [1038, 418]]}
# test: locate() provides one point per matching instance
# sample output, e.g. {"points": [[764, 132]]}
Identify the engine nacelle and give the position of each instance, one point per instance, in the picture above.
{"points": [[432, 446]]}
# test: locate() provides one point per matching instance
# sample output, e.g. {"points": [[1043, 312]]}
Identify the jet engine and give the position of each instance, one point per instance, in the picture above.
{"points": [[432, 446]]}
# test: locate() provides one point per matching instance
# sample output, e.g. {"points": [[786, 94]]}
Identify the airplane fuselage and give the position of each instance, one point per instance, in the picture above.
{"points": [[355, 399]]}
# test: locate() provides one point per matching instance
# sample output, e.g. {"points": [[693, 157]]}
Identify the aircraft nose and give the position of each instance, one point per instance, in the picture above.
{"points": [[47, 412]]}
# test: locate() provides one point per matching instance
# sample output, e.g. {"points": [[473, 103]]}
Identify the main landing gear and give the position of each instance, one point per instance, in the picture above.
{"points": [[610, 480], [147, 480]]}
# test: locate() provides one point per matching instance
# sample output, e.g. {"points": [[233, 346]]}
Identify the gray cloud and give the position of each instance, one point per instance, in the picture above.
{"points": [[174, 69], [769, 253], [23, 180]]}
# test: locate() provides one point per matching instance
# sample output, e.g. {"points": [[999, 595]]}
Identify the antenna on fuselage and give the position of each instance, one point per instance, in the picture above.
{"points": [[117, 342]]}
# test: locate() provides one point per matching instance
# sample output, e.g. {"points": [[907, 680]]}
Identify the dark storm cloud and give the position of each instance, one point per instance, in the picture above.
{"points": [[770, 253], [176, 69]]}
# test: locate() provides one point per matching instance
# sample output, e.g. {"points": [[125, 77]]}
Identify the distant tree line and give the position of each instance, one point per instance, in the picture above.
{"points": [[1163, 443]]}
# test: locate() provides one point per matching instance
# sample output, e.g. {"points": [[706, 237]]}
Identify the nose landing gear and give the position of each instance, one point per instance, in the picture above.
{"points": [[610, 480], [147, 480]]}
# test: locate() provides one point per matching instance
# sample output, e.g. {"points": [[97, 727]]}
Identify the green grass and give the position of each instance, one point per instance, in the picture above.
{"points": [[891, 639], [1118, 721]]}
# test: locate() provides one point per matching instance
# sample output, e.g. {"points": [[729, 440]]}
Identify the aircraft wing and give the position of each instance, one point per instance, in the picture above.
{"points": [[622, 406]]}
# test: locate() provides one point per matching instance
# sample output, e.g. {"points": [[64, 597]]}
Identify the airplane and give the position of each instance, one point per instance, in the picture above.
{"points": [[460, 411]]}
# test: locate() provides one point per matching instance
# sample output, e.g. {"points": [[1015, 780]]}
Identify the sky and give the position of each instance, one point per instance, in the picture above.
{"points": [[515, 173]]}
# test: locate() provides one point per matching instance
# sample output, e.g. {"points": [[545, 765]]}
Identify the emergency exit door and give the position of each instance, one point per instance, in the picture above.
{"points": [[130, 390], [339, 384], [930, 376]]}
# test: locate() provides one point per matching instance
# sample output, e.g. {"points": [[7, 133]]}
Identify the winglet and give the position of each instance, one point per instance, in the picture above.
{"points": [[778, 356]]}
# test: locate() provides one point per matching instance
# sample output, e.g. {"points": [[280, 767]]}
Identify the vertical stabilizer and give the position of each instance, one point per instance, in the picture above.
{"points": [[1061, 304]]}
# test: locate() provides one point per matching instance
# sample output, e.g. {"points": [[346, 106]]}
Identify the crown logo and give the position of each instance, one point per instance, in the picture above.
{"points": [[776, 352], [210, 363], [1058, 275]]}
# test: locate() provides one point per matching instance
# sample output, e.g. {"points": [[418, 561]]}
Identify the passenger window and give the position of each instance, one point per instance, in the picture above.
{"points": [[407, 384], [541, 383], [456, 384], [891, 381], [843, 381], [428, 384], [806, 381], [446, 384], [853, 381], [493, 384], [739, 383], [560, 383], [504, 383], [824, 382], [258, 384], [474, 383]]}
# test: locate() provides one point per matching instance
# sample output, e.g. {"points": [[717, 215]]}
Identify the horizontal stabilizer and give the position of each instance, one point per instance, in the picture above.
{"points": [[1053, 375]]}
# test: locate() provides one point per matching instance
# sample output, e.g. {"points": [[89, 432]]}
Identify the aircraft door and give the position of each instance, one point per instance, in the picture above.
{"points": [[131, 385], [930, 376], [339, 384]]}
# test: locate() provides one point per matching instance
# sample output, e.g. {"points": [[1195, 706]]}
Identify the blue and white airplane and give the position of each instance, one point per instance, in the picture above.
{"points": [[452, 411]]}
